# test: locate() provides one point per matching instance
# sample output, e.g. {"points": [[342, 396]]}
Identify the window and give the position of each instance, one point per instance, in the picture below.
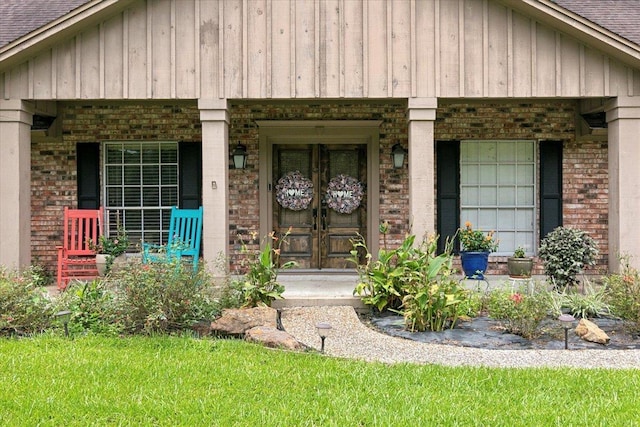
{"points": [[497, 191], [140, 186]]}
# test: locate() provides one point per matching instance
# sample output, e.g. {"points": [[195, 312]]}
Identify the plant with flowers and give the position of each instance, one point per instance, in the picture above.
{"points": [[475, 240], [113, 245]]}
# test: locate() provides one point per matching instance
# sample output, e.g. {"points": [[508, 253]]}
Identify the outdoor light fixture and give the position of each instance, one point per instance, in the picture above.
{"points": [[397, 154], [567, 322], [64, 317], [279, 319], [324, 329], [239, 156]]}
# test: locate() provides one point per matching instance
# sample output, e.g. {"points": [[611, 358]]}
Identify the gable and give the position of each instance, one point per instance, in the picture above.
{"points": [[191, 49]]}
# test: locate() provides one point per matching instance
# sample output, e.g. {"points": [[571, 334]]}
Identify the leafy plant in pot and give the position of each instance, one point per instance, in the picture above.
{"points": [[108, 249], [476, 247], [519, 265]]}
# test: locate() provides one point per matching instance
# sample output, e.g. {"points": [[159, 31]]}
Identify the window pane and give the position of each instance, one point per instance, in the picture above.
{"points": [[141, 180], [169, 175], [132, 196], [150, 196], [507, 196], [507, 174], [498, 190], [131, 154], [488, 174], [151, 155], [525, 172], [488, 196], [487, 152], [114, 197], [150, 175], [113, 175], [169, 153], [169, 196], [525, 196], [132, 175], [114, 153], [470, 195]]}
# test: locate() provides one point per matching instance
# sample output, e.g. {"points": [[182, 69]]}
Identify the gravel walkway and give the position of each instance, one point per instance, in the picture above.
{"points": [[354, 340]]}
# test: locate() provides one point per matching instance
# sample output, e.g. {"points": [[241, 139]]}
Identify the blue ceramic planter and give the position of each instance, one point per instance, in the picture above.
{"points": [[474, 264]]}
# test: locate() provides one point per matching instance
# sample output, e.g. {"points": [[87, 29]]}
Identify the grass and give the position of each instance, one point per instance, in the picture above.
{"points": [[181, 381]]}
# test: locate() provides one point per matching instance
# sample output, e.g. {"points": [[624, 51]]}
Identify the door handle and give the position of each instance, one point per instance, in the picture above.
{"points": [[315, 218], [324, 219]]}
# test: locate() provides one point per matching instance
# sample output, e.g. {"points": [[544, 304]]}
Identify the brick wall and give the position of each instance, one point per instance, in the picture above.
{"points": [[54, 167], [585, 182], [53, 160], [243, 217]]}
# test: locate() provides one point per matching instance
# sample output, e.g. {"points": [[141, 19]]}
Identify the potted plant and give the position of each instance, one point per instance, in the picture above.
{"points": [[519, 265], [476, 247], [108, 249], [565, 253]]}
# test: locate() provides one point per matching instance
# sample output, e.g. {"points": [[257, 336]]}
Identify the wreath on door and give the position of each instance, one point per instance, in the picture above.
{"points": [[344, 194], [294, 191]]}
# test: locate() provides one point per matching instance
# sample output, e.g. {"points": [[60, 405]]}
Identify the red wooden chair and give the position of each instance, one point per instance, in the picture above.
{"points": [[76, 260]]}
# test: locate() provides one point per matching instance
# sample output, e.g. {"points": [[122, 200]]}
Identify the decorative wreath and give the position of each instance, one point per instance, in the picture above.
{"points": [[344, 194], [294, 191]]}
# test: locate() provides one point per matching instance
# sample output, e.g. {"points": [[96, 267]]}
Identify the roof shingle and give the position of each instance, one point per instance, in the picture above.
{"points": [[20, 17]]}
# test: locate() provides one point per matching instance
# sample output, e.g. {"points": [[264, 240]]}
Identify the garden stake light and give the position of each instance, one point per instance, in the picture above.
{"points": [[567, 321], [64, 317], [323, 330]]}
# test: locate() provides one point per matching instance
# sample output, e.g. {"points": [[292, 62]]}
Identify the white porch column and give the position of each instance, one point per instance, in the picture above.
{"points": [[215, 178], [422, 114], [623, 118], [16, 117]]}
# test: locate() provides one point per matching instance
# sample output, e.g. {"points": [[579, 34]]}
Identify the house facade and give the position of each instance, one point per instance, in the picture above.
{"points": [[515, 115]]}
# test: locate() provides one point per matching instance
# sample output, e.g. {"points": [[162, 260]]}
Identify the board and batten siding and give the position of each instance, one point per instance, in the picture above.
{"points": [[259, 49]]}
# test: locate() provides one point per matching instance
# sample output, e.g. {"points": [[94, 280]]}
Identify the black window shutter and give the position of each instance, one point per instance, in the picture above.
{"points": [[550, 186], [448, 190], [190, 175], [88, 169]]}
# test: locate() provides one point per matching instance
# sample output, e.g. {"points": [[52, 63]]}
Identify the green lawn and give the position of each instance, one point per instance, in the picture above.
{"points": [[169, 381]]}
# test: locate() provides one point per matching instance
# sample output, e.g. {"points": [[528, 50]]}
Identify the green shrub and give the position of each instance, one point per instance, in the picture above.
{"points": [[92, 307], [413, 281], [25, 308], [161, 297], [259, 286], [623, 292], [565, 253], [520, 314]]}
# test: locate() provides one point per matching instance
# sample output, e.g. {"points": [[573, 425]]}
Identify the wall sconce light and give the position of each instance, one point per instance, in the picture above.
{"points": [[239, 157], [64, 317], [567, 322], [397, 155], [324, 329]]}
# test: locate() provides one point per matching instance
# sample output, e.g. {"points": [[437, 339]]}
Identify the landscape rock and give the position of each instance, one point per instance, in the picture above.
{"points": [[273, 338], [589, 331], [238, 321]]}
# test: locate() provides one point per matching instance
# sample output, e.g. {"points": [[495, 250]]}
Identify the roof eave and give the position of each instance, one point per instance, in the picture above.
{"points": [[545, 11], [30, 44]]}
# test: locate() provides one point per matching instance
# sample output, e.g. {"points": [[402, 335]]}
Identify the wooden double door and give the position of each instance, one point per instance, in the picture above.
{"points": [[320, 198]]}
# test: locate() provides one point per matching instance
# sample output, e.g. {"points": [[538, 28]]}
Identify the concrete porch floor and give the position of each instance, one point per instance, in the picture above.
{"points": [[307, 289]]}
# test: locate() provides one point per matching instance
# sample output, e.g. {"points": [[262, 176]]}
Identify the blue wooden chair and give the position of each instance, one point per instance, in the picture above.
{"points": [[185, 234]]}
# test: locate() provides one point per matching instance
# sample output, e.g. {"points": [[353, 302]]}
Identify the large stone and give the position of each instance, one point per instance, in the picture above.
{"points": [[274, 338], [589, 331], [238, 321]]}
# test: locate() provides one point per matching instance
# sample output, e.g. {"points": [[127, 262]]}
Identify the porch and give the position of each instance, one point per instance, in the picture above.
{"points": [[335, 288]]}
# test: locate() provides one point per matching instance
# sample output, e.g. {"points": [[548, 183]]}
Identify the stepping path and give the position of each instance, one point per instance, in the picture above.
{"points": [[350, 338]]}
